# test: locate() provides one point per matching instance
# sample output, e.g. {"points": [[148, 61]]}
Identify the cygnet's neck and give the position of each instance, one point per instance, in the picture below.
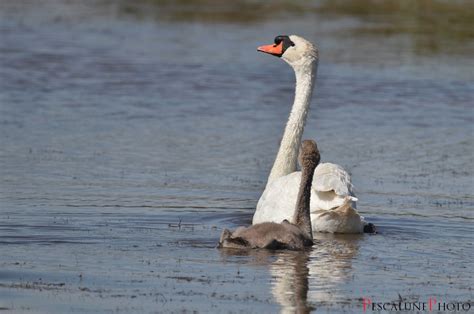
{"points": [[285, 162], [302, 216]]}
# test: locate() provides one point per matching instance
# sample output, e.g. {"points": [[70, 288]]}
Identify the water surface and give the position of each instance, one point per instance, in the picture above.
{"points": [[131, 135]]}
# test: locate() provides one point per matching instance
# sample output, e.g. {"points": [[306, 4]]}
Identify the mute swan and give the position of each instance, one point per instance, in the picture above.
{"points": [[284, 235], [332, 185]]}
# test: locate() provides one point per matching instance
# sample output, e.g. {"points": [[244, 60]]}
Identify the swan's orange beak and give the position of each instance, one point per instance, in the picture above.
{"points": [[276, 50]]}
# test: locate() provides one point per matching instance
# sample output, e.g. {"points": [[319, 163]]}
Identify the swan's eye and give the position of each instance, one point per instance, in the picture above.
{"points": [[285, 39]]}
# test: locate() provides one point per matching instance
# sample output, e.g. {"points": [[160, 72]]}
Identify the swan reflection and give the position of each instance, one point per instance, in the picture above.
{"points": [[300, 280], [289, 283], [330, 266]]}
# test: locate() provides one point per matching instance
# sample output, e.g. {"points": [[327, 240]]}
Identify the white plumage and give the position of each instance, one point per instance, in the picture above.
{"points": [[329, 191], [332, 199]]}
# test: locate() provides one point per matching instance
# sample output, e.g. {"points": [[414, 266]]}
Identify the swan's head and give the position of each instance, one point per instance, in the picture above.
{"points": [[309, 154], [293, 49]]}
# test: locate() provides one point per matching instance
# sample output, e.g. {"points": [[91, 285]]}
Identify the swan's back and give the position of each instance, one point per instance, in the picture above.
{"points": [[331, 184]]}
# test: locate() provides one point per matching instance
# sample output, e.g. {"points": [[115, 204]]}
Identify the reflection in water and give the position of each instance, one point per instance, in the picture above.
{"points": [[290, 281], [289, 271], [321, 270], [330, 265]]}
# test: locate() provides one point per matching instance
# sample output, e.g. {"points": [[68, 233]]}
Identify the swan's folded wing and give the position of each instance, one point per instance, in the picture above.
{"points": [[328, 176]]}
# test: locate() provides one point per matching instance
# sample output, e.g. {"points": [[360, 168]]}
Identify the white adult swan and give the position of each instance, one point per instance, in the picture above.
{"points": [[332, 185]]}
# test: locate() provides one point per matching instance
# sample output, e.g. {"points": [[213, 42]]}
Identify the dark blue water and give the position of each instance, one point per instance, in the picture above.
{"points": [[128, 141]]}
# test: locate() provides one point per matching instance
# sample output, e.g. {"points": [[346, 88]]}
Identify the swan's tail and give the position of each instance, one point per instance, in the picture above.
{"points": [[347, 203]]}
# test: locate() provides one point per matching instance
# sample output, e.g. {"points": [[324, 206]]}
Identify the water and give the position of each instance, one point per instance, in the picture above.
{"points": [[130, 136]]}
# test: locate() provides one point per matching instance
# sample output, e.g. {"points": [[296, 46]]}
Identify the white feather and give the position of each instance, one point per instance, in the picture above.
{"points": [[331, 185]]}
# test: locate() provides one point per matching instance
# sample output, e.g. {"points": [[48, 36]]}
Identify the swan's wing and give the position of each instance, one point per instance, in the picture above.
{"points": [[332, 177], [331, 185]]}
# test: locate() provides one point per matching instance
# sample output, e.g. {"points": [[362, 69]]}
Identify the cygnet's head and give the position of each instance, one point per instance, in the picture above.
{"points": [[309, 154], [293, 49]]}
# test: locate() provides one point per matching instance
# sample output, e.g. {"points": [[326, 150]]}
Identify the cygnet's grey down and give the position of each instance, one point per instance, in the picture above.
{"points": [[295, 235]]}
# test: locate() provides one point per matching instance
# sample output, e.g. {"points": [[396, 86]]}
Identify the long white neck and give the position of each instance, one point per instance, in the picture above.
{"points": [[286, 159]]}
